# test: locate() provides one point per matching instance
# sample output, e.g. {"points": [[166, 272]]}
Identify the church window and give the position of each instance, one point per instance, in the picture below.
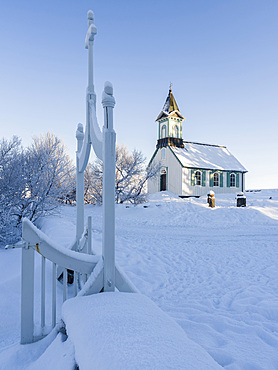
{"points": [[176, 131], [216, 179], [163, 153], [198, 178], [163, 132], [232, 180]]}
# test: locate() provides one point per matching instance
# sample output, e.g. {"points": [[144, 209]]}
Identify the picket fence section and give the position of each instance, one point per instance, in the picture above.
{"points": [[74, 264]]}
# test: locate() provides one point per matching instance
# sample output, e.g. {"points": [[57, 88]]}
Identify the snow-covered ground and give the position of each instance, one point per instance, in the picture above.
{"points": [[215, 271]]}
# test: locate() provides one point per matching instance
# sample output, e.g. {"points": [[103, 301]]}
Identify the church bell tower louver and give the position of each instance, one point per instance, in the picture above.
{"points": [[170, 124]]}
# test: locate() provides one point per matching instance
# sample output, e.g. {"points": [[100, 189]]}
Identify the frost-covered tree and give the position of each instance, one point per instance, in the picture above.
{"points": [[48, 175], [32, 181], [11, 186], [93, 183], [130, 178]]}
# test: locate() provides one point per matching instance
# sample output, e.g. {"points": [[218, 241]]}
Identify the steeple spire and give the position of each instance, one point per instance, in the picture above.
{"points": [[170, 103], [170, 106]]}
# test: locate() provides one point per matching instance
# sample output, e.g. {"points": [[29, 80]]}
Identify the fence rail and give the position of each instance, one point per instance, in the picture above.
{"points": [[70, 261]]}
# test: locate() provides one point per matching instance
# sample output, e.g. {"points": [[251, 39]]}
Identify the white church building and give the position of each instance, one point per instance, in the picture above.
{"points": [[189, 168]]}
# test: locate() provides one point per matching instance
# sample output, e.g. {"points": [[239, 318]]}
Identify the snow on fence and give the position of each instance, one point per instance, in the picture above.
{"points": [[78, 263], [63, 260]]}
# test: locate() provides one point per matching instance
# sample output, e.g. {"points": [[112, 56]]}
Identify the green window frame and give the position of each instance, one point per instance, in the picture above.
{"points": [[232, 180], [228, 179], [198, 178], [216, 179], [203, 178], [237, 180]]}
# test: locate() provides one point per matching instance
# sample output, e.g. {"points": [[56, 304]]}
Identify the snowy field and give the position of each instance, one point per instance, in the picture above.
{"points": [[214, 271]]}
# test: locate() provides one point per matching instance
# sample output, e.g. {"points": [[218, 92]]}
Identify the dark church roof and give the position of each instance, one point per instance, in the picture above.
{"points": [[169, 107], [170, 104]]}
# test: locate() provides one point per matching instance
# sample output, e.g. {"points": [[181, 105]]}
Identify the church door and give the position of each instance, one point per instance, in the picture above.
{"points": [[163, 181]]}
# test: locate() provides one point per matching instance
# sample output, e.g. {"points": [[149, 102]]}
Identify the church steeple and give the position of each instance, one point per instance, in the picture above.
{"points": [[170, 104], [170, 123]]}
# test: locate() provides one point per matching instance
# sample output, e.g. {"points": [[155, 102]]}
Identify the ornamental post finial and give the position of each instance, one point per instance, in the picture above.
{"points": [[91, 17]]}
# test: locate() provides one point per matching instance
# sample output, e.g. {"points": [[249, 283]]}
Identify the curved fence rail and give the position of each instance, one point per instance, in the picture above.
{"points": [[75, 267]]}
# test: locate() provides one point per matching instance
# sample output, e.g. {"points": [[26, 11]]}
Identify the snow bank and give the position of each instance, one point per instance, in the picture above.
{"points": [[164, 196], [59, 355], [128, 331], [214, 271], [18, 357]]}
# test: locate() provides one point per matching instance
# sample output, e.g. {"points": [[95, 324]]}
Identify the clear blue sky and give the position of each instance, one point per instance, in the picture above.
{"points": [[220, 55]]}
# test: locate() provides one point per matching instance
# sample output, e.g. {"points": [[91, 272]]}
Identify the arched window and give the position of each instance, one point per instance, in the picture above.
{"points": [[163, 132], [198, 178], [232, 180], [163, 153], [176, 131], [216, 179]]}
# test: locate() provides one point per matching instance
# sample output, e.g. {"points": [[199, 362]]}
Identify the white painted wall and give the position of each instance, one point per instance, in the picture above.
{"points": [[174, 173], [153, 185]]}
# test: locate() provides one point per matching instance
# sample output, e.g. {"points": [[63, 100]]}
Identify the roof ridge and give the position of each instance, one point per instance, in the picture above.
{"points": [[193, 142]]}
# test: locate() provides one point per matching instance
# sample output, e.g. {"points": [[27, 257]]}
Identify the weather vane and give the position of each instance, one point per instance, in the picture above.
{"points": [[170, 87]]}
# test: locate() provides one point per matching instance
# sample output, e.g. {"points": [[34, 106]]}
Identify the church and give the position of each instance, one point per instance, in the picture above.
{"points": [[188, 168]]}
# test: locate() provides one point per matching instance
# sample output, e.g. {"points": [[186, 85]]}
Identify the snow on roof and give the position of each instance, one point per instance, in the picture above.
{"points": [[207, 156]]}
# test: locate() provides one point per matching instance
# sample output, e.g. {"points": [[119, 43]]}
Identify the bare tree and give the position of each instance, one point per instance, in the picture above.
{"points": [[130, 178]]}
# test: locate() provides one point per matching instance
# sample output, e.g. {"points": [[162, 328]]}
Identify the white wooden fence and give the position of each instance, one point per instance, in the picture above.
{"points": [[79, 263], [82, 265]]}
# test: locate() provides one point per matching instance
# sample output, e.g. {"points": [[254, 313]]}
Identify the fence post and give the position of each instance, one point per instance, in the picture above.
{"points": [[27, 295], [109, 142], [79, 187], [89, 242]]}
